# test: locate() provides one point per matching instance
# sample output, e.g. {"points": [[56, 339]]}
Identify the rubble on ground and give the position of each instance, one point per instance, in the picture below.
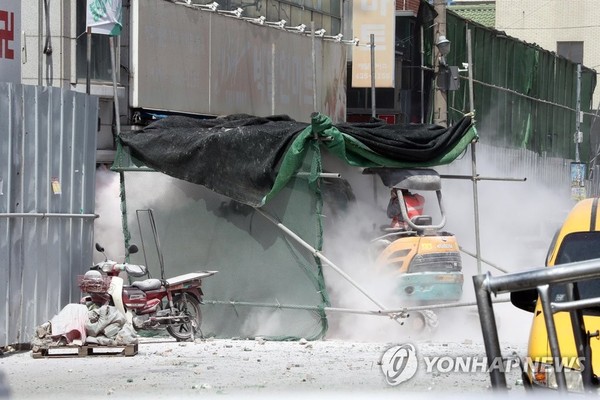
{"points": [[76, 325]]}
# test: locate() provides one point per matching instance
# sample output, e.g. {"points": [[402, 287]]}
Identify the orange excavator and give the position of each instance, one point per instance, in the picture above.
{"points": [[423, 258]]}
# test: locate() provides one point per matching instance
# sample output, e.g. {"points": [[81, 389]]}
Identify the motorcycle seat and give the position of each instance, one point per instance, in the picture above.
{"points": [[147, 284]]}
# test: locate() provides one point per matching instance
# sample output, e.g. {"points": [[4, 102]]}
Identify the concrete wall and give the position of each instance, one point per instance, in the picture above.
{"points": [[58, 68], [195, 61]]}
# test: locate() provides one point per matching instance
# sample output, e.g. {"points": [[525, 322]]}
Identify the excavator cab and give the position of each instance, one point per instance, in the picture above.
{"points": [[424, 259]]}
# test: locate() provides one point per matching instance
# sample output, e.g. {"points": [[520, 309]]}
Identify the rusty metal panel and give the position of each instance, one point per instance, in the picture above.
{"points": [[47, 189], [194, 61]]}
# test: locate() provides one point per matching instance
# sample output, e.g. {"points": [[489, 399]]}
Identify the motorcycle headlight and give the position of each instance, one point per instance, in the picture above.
{"points": [[543, 374]]}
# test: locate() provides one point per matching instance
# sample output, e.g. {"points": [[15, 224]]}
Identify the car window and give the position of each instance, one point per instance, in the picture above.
{"points": [[578, 246]]}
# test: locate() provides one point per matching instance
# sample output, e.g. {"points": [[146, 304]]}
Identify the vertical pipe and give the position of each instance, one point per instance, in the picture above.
{"points": [[40, 50], [489, 331], [470, 72], [578, 113], [474, 158], [561, 381], [122, 194], [440, 101], [314, 64], [210, 60], [579, 334], [126, 233], [273, 79], [373, 107], [422, 76], [88, 59], [161, 259], [474, 178], [111, 40]]}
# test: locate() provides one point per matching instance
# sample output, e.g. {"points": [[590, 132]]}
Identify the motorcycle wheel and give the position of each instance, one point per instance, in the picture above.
{"points": [[189, 306]]}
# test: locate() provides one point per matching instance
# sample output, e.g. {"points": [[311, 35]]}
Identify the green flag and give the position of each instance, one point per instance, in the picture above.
{"points": [[104, 17]]}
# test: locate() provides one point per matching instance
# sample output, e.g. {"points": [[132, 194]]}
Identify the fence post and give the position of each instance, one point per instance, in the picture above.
{"points": [[490, 332]]}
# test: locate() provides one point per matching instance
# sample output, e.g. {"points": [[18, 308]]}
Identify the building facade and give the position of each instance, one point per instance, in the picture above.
{"points": [[403, 102], [565, 27], [209, 59]]}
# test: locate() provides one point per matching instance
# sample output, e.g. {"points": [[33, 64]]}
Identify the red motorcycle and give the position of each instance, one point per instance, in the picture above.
{"points": [[172, 303]]}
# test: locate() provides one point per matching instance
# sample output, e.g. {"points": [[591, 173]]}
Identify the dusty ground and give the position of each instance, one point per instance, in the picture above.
{"points": [[164, 368], [347, 364]]}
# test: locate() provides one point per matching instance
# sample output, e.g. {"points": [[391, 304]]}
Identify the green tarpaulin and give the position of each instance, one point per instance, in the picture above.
{"points": [[268, 285]]}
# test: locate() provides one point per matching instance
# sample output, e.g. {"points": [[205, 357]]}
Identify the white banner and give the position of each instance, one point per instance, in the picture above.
{"points": [[375, 17], [104, 17], [10, 41]]}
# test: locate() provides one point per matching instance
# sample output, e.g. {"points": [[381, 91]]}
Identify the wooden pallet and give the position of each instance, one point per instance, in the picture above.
{"points": [[86, 350]]}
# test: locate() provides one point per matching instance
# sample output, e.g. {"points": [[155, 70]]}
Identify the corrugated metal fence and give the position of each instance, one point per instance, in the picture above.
{"points": [[524, 96], [47, 190]]}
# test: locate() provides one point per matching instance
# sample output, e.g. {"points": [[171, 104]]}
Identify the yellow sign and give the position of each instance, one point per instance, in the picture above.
{"points": [[375, 17], [56, 186]]}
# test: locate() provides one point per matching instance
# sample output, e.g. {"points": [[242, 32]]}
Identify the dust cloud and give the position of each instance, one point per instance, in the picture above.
{"points": [[144, 190], [107, 227], [517, 220]]}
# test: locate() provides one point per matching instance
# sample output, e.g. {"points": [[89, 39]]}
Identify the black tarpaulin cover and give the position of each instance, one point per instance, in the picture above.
{"points": [[268, 285], [250, 158]]}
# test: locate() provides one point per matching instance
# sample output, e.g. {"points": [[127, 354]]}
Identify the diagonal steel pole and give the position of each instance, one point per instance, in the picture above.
{"points": [[318, 254]]}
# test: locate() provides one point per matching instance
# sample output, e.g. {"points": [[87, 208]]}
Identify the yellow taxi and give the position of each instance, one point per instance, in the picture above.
{"points": [[577, 240]]}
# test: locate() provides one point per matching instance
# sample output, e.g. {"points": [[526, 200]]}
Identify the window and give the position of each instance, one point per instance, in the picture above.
{"points": [[579, 246], [100, 62], [571, 50]]}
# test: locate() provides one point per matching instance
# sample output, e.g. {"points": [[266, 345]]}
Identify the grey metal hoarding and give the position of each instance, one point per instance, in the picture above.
{"points": [[196, 61], [47, 189]]}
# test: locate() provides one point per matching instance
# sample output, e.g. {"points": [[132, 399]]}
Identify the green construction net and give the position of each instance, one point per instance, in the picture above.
{"points": [[270, 282], [267, 285]]}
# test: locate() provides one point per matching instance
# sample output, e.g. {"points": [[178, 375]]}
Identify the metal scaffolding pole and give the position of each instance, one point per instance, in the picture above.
{"points": [[373, 105], [490, 331], [318, 254], [539, 279], [48, 215]]}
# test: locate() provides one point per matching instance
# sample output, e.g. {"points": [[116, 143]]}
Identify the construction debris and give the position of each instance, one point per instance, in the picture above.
{"points": [[77, 331]]}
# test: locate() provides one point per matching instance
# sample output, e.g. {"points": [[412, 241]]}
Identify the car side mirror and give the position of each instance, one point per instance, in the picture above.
{"points": [[524, 299]]}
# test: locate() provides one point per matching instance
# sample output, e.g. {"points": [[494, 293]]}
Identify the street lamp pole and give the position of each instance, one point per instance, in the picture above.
{"points": [[372, 45], [440, 105], [578, 114]]}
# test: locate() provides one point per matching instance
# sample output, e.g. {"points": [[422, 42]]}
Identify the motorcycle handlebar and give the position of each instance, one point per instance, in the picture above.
{"points": [[109, 267]]}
